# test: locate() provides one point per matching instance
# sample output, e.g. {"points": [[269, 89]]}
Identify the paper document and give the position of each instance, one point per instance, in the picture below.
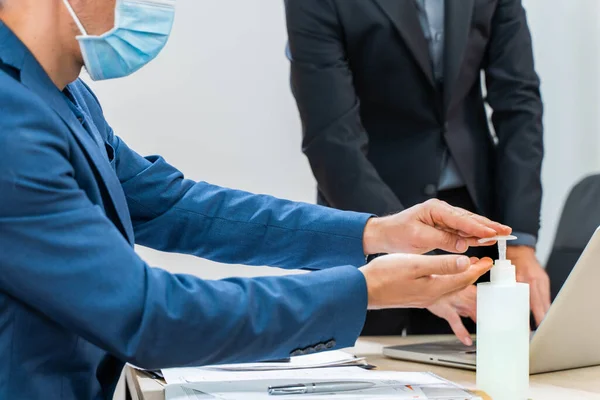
{"points": [[191, 375], [214, 372], [387, 385], [258, 390], [316, 360]]}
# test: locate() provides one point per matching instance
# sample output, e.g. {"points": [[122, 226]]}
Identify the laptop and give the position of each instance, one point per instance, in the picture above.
{"points": [[569, 336]]}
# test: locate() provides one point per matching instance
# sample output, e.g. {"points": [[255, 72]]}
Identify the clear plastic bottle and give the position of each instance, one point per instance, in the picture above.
{"points": [[503, 331]]}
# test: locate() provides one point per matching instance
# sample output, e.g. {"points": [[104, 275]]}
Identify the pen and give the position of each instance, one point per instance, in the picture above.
{"points": [[282, 360], [319, 387]]}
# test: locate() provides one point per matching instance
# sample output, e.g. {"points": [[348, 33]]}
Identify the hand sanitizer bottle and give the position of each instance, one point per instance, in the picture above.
{"points": [[503, 331]]}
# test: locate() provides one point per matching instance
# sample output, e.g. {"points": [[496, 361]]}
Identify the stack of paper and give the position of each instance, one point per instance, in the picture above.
{"points": [[252, 381], [317, 360], [253, 385]]}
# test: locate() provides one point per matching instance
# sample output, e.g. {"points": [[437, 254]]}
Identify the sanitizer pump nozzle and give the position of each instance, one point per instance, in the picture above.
{"points": [[503, 330], [503, 271]]}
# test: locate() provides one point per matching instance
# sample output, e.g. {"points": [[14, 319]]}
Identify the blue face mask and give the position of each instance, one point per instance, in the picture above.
{"points": [[141, 30]]}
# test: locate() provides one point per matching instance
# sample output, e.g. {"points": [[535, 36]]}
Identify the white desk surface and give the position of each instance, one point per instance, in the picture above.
{"points": [[579, 384]]}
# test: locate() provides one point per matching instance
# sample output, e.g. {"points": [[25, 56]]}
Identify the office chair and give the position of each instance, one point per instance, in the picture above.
{"points": [[579, 219]]}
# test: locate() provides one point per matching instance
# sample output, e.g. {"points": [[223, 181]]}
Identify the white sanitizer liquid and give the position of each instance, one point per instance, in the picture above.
{"points": [[503, 332]]}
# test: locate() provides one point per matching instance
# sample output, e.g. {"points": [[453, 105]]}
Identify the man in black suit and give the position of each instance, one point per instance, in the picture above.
{"points": [[392, 106]]}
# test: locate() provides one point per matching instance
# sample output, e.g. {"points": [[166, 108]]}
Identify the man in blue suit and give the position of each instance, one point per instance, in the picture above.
{"points": [[77, 302]]}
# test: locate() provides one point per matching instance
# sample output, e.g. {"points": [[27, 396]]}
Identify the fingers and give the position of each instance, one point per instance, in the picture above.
{"points": [[451, 283], [452, 242], [540, 300], [467, 303], [539, 288], [470, 240], [441, 239], [425, 266], [496, 226], [463, 243], [479, 268], [471, 225], [459, 328], [445, 308], [545, 293], [537, 306], [474, 242]]}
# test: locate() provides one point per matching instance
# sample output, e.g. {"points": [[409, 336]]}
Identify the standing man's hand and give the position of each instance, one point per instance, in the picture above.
{"points": [[456, 305], [530, 271], [429, 226], [406, 280]]}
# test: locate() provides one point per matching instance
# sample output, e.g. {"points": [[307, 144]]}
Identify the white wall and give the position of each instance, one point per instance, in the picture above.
{"points": [[217, 104], [566, 37]]}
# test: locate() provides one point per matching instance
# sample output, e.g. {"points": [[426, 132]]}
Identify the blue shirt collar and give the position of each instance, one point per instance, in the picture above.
{"points": [[12, 50]]}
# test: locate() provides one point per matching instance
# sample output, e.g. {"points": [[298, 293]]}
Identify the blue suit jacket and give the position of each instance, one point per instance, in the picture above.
{"points": [[76, 302]]}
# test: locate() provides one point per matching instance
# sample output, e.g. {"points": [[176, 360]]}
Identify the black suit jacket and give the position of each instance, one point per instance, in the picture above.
{"points": [[376, 123]]}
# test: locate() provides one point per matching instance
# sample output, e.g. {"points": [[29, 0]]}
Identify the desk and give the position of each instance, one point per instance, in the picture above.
{"points": [[580, 384]]}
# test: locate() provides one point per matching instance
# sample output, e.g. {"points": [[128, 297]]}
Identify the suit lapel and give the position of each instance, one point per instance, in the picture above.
{"points": [[404, 16], [35, 78], [457, 27]]}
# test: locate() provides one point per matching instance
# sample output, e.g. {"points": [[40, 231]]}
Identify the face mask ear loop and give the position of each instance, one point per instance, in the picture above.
{"points": [[75, 18]]}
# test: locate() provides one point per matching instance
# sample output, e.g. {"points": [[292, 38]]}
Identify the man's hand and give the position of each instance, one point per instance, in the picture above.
{"points": [[428, 226], [405, 280], [456, 305], [530, 271]]}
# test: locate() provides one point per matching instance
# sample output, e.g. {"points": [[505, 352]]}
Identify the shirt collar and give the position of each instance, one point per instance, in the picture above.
{"points": [[12, 50]]}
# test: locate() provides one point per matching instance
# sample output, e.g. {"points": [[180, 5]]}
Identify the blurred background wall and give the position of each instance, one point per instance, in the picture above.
{"points": [[217, 104], [566, 38]]}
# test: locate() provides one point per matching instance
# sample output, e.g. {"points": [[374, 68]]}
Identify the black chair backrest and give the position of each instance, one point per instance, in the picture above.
{"points": [[578, 222]]}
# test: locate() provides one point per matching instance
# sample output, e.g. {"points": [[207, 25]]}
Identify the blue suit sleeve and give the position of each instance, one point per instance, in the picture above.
{"points": [[173, 214], [63, 258]]}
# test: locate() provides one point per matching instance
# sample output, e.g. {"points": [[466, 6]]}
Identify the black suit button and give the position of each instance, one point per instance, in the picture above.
{"points": [[331, 344], [296, 353], [430, 190], [320, 347]]}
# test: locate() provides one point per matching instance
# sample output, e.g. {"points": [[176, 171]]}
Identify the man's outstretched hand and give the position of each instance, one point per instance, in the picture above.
{"points": [[407, 280], [429, 226]]}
